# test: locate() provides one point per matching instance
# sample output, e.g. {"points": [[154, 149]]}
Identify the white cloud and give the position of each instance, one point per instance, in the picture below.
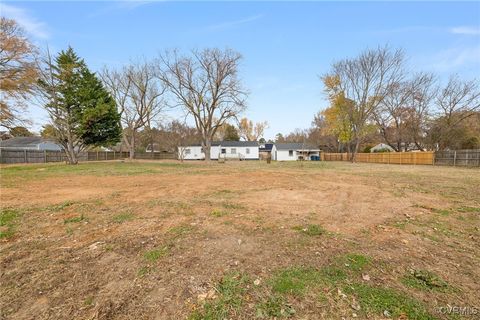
{"points": [[31, 25], [472, 31], [454, 58], [234, 23]]}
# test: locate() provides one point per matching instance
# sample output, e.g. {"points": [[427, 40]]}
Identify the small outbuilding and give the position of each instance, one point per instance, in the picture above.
{"points": [[294, 152]]}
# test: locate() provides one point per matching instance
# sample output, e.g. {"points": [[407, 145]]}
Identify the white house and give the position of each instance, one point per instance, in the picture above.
{"points": [[294, 151], [241, 150]]}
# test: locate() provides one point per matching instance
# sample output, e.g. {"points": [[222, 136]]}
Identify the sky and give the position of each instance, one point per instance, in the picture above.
{"points": [[286, 46]]}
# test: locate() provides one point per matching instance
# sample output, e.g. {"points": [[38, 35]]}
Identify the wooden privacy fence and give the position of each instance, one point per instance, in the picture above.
{"points": [[44, 156], [458, 157], [426, 157]]}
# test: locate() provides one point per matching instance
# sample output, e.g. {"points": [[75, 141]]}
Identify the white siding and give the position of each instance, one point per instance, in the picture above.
{"points": [[191, 153], [240, 152]]}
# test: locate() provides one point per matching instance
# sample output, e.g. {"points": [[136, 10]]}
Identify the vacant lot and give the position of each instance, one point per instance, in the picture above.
{"points": [[240, 240]]}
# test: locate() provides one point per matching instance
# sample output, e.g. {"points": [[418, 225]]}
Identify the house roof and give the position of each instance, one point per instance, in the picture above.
{"points": [[294, 146], [23, 142], [239, 143], [229, 144], [267, 147]]}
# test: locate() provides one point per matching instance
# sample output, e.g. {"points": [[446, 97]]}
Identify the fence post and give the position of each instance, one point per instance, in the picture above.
{"points": [[114, 155], [45, 156], [466, 158], [97, 155], [25, 155], [454, 157]]}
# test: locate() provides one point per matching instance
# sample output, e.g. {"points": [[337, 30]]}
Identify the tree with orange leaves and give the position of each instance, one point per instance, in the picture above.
{"points": [[18, 72]]}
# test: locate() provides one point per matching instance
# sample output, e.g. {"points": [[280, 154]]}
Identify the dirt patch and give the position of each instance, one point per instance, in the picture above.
{"points": [[120, 242]]}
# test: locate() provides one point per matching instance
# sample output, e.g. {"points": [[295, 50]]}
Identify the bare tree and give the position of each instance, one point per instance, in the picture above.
{"points": [[206, 86], [139, 96], [250, 131], [366, 80], [456, 102], [18, 72], [403, 113]]}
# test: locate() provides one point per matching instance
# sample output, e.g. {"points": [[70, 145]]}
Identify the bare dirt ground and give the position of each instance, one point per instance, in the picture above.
{"points": [[240, 240]]}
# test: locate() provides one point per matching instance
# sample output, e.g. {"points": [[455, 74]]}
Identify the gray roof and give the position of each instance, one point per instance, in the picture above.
{"points": [[23, 142], [294, 146], [230, 144], [239, 143]]}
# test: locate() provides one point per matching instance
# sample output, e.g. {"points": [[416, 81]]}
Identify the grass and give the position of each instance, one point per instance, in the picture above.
{"points": [[89, 301], [424, 280], [179, 231], [60, 207], [230, 298], [8, 219], [311, 230], [355, 262], [218, 213], [469, 209], [123, 217], [377, 300], [231, 205], [153, 255], [75, 219], [295, 280], [274, 306]]}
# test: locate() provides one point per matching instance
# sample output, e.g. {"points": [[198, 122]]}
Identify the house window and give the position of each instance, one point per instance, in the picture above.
{"points": [[187, 151], [290, 153], [233, 151], [224, 150], [247, 151]]}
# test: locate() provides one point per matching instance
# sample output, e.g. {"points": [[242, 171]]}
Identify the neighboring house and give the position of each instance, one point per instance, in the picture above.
{"points": [[265, 150], [30, 143], [242, 150], [294, 151]]}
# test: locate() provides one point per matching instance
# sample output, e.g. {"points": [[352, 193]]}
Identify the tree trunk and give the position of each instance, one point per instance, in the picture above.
{"points": [[131, 154], [355, 151], [71, 156], [206, 149]]}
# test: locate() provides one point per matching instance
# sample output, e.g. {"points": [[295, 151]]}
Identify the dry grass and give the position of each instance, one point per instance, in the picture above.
{"points": [[239, 240]]}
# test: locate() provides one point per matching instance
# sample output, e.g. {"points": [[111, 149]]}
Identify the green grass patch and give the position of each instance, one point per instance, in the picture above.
{"points": [[179, 231], [274, 306], [155, 254], [376, 300], [8, 219], [218, 213], [75, 219], [469, 209], [89, 301], [296, 280], [123, 217], [425, 280], [60, 207], [355, 262], [230, 298], [311, 230]]}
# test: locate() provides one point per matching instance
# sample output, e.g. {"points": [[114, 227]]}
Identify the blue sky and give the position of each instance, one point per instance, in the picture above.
{"points": [[285, 45]]}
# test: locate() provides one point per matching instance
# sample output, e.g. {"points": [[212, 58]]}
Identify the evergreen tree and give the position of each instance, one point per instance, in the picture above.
{"points": [[82, 112]]}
